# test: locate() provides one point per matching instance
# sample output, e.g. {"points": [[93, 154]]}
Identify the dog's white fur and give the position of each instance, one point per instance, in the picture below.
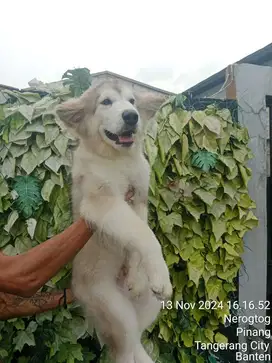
{"points": [[120, 307]]}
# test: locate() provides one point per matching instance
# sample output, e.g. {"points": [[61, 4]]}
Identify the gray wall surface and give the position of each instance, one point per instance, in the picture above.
{"points": [[215, 91], [253, 84]]}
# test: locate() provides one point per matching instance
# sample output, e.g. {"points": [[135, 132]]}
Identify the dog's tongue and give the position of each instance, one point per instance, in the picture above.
{"points": [[125, 139]]}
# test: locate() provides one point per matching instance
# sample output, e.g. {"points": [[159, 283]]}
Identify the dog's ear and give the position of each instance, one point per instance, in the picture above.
{"points": [[71, 112], [148, 104]]}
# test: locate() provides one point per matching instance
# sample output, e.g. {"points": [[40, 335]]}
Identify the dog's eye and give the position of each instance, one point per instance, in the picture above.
{"points": [[106, 102], [132, 101]]}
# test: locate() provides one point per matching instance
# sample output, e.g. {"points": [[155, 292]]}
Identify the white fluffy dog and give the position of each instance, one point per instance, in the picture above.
{"points": [[120, 275]]}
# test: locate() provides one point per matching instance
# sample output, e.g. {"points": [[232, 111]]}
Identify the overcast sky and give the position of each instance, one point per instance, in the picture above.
{"points": [[171, 44]]}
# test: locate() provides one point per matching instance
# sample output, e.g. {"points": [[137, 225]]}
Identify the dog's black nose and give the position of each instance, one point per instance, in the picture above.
{"points": [[130, 117]]}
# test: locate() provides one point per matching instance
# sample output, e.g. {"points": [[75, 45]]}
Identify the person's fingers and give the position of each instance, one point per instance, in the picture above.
{"points": [[69, 296]]}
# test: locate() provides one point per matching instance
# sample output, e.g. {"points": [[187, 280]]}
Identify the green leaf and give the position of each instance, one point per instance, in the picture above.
{"points": [[199, 117], [78, 326], [185, 148], [212, 359], [31, 226], [29, 162], [220, 338], [23, 338], [167, 222], [9, 250], [183, 357], [164, 333], [215, 243], [7, 169], [12, 218], [171, 259], [195, 268], [35, 127], [224, 114], [29, 195], [251, 221], [231, 251], [25, 110], [165, 144], [41, 230], [168, 197], [246, 202], [22, 244], [51, 133], [223, 141], [232, 239], [54, 163], [218, 228], [178, 120], [3, 353], [195, 210], [3, 187], [187, 338], [40, 141], [217, 209], [245, 173], [78, 80], [41, 154], [46, 316], [166, 358], [32, 327], [241, 154], [18, 150], [209, 334], [207, 197], [4, 149], [17, 136], [151, 149], [213, 124], [204, 160], [4, 239], [229, 162], [69, 352], [230, 188], [213, 287], [179, 100], [186, 250], [47, 189]]}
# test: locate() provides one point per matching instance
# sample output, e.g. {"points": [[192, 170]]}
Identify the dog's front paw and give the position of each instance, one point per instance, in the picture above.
{"points": [[159, 279], [136, 282]]}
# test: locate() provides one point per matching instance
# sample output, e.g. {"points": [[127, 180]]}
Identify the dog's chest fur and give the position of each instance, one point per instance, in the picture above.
{"points": [[111, 177]]}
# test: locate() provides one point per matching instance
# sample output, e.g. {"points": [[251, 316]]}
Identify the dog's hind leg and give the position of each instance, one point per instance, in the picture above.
{"points": [[114, 319], [147, 308], [140, 355]]}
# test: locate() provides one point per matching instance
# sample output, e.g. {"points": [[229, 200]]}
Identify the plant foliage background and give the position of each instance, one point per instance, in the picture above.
{"points": [[199, 209]]}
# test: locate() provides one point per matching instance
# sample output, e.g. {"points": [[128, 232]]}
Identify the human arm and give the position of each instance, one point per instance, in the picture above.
{"points": [[14, 306], [25, 274]]}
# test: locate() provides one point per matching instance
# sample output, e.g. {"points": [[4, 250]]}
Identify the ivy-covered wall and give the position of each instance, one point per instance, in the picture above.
{"points": [[199, 208]]}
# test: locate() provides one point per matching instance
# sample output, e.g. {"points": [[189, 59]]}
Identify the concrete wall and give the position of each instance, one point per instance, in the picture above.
{"points": [[253, 84], [215, 92]]}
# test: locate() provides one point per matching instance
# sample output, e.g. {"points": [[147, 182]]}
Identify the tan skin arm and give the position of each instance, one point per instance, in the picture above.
{"points": [[14, 306], [23, 275]]}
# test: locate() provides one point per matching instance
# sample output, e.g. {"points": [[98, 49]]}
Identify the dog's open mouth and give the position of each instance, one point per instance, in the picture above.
{"points": [[126, 138]]}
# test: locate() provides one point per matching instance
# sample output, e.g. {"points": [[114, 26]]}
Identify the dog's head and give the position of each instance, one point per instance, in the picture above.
{"points": [[109, 113]]}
